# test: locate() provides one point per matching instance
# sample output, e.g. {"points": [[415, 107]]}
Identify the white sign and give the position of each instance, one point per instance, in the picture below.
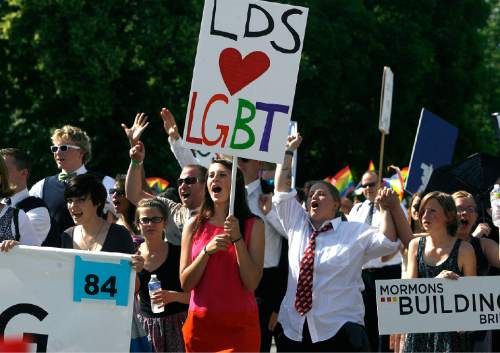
{"points": [[386, 101], [438, 305], [244, 78], [67, 300]]}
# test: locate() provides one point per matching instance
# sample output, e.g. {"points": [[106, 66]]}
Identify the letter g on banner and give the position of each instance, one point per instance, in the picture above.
{"points": [[30, 309]]}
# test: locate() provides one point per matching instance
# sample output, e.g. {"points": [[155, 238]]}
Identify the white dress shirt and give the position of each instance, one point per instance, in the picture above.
{"points": [[337, 283], [26, 232], [39, 217], [273, 228], [108, 182], [183, 155], [358, 213]]}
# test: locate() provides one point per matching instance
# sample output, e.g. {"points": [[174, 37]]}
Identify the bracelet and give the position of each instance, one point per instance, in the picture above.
{"points": [[206, 251], [288, 152], [237, 240], [136, 163]]}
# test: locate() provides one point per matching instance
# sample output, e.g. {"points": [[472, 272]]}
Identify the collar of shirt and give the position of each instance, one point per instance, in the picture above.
{"points": [[254, 185], [334, 221], [81, 170], [19, 196]]}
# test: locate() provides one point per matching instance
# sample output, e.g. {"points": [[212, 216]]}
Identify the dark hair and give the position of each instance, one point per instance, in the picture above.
{"points": [[412, 222], [201, 169], [130, 212], [87, 185], [449, 208], [5, 189], [21, 159], [153, 203], [241, 209]]}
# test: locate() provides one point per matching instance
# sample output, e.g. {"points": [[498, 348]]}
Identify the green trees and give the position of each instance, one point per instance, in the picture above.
{"points": [[96, 64]]}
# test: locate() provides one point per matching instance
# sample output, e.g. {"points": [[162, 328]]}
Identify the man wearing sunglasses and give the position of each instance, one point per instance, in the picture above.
{"points": [[71, 150], [191, 188], [379, 268]]}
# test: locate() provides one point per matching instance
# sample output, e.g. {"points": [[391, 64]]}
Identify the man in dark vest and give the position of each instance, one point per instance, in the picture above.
{"points": [[18, 164], [71, 149]]}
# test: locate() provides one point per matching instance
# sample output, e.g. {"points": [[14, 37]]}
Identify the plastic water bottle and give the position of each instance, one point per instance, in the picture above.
{"points": [[495, 205], [154, 286]]}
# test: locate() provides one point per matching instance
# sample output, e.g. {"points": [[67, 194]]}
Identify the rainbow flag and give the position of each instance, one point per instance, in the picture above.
{"points": [[157, 184], [397, 181], [343, 181], [371, 166]]}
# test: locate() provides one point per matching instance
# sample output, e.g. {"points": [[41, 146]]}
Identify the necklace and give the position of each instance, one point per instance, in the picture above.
{"points": [[97, 238]]}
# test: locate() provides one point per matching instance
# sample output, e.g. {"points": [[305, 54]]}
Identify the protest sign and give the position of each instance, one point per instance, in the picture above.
{"points": [[65, 300], [244, 78], [434, 146], [386, 101], [438, 305]]}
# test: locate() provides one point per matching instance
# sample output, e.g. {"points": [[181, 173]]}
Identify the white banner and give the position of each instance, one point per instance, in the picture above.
{"points": [[386, 101], [67, 300], [438, 305], [244, 78]]}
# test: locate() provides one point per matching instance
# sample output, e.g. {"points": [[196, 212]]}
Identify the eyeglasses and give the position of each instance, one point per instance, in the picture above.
{"points": [[147, 220], [187, 181], [469, 209], [368, 185], [118, 192], [62, 148]]}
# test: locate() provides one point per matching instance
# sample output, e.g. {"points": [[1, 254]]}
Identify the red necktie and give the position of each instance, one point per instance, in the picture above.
{"points": [[303, 296]]}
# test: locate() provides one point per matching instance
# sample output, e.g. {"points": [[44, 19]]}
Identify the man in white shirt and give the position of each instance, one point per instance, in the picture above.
{"points": [[71, 150], [379, 268], [268, 293], [18, 163]]}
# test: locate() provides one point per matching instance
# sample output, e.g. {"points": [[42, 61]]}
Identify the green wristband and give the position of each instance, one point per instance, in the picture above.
{"points": [[135, 163], [237, 240]]}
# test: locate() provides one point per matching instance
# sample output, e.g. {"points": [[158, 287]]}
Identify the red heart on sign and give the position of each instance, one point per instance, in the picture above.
{"points": [[238, 72]]}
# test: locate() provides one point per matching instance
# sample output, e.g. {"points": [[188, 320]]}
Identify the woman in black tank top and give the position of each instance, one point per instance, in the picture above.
{"points": [[440, 254]]}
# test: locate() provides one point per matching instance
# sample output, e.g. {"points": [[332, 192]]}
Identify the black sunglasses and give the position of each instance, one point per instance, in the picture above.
{"points": [[369, 185], [118, 192], [147, 220], [187, 180], [63, 148]]}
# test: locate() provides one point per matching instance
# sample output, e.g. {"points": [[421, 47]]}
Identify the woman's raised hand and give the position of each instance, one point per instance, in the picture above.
{"points": [[293, 142], [232, 228], [138, 152]]}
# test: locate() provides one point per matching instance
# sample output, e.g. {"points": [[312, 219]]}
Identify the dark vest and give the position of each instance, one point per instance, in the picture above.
{"points": [[60, 219]]}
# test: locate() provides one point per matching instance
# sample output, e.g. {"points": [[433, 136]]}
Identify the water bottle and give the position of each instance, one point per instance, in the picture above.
{"points": [[495, 205], [154, 286]]}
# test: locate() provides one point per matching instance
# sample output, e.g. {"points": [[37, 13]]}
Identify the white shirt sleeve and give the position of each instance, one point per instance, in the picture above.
{"points": [[40, 221], [183, 155], [27, 235], [274, 221], [37, 189], [290, 212]]}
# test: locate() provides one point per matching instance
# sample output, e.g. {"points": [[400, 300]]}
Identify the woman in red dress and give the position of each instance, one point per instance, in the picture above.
{"points": [[221, 264]]}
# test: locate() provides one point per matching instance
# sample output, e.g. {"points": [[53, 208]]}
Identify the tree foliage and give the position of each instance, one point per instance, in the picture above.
{"points": [[95, 64]]}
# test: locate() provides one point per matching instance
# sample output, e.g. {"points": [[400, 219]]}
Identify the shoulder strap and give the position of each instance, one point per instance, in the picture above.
{"points": [[16, 223]]}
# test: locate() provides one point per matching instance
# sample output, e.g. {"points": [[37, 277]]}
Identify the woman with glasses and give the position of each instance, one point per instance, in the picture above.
{"points": [[124, 208], [162, 259], [486, 251], [440, 255], [221, 264]]}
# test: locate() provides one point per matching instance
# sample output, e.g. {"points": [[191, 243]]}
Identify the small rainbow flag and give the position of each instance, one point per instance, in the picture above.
{"points": [[371, 166], [397, 181], [343, 181], [157, 184]]}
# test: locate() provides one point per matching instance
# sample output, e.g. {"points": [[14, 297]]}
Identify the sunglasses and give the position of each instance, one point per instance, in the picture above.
{"points": [[187, 181], [147, 220], [63, 148], [368, 185], [118, 192]]}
